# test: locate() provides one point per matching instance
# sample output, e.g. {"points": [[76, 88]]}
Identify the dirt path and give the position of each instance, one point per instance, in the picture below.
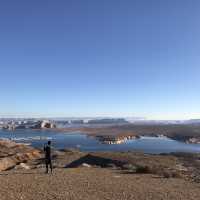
{"points": [[94, 184]]}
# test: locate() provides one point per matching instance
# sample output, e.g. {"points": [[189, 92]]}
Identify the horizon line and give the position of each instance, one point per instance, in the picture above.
{"points": [[93, 117]]}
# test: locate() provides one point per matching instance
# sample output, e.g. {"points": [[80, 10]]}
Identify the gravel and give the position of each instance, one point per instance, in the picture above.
{"points": [[92, 184]]}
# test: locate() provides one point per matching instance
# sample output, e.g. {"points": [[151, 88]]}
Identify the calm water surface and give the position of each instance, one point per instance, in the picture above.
{"points": [[37, 138]]}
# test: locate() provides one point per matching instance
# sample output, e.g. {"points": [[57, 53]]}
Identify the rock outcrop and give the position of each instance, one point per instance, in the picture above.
{"points": [[12, 154]]}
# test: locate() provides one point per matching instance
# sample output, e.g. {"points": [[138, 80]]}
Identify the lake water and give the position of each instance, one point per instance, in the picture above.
{"points": [[60, 140]]}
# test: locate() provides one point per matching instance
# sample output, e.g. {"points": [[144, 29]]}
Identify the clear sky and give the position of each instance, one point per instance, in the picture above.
{"points": [[138, 58]]}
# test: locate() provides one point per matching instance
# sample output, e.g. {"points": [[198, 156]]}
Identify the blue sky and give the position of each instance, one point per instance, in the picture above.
{"points": [[136, 58]]}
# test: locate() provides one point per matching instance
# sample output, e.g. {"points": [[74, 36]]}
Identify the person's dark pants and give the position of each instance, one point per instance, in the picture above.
{"points": [[48, 163]]}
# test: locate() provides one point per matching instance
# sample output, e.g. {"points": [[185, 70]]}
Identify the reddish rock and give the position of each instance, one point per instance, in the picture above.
{"points": [[13, 154]]}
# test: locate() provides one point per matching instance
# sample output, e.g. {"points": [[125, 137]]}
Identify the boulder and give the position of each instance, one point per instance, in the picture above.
{"points": [[7, 163]]}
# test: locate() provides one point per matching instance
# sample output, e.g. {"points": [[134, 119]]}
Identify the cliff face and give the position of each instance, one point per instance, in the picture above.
{"points": [[44, 124], [12, 154]]}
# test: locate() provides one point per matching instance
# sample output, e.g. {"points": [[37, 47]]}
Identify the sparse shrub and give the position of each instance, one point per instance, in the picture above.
{"points": [[153, 169], [171, 174], [143, 169]]}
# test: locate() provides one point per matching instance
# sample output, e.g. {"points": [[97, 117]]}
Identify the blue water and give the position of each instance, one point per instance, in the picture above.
{"points": [[60, 140]]}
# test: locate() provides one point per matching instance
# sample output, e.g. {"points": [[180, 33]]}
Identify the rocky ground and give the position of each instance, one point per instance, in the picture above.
{"points": [[12, 154], [78, 175], [93, 183]]}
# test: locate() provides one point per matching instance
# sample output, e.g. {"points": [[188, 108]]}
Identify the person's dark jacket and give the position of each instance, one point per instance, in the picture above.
{"points": [[47, 150]]}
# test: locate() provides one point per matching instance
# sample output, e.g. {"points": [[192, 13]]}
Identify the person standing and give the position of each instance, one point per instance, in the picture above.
{"points": [[48, 162]]}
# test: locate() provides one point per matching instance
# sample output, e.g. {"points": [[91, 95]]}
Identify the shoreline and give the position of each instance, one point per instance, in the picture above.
{"points": [[189, 134]]}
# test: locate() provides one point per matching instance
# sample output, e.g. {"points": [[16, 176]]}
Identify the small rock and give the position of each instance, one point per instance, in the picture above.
{"points": [[117, 176], [86, 165], [181, 168], [24, 166]]}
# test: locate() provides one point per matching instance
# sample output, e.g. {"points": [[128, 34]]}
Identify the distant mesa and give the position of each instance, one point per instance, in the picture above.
{"points": [[27, 124], [44, 124], [77, 121], [108, 121], [47, 124]]}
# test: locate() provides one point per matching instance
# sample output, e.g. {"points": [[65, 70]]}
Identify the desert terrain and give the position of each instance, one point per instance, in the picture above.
{"points": [[103, 175]]}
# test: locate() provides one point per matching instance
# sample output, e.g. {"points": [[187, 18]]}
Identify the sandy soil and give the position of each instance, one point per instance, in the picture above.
{"points": [[93, 183]]}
